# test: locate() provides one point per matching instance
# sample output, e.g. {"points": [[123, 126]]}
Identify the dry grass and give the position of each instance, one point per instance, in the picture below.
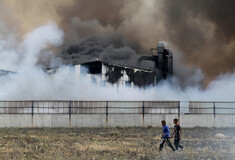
{"points": [[111, 143]]}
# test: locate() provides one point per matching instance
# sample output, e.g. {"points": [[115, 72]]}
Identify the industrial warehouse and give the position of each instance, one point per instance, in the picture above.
{"points": [[106, 73]]}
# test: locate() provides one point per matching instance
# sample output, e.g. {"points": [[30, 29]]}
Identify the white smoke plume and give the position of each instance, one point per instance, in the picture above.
{"points": [[38, 40], [32, 83]]}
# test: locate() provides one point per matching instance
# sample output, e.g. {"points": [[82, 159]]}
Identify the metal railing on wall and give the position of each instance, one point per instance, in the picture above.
{"points": [[115, 107], [215, 108]]}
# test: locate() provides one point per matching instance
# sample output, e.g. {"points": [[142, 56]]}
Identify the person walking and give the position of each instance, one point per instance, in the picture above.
{"points": [[177, 135], [165, 136]]}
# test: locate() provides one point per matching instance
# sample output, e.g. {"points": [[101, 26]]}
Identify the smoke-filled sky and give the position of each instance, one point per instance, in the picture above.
{"points": [[203, 31], [200, 33]]}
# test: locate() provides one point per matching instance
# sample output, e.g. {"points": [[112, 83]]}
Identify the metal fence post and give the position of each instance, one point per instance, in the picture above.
{"points": [[143, 108], [214, 108], [143, 111], [32, 108], [179, 110], [107, 111], [70, 111]]}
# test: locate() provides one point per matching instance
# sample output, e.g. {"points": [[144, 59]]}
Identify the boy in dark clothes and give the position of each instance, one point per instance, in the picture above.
{"points": [[165, 136], [177, 135]]}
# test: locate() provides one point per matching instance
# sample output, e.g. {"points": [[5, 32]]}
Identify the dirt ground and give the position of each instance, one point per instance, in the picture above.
{"points": [[112, 143]]}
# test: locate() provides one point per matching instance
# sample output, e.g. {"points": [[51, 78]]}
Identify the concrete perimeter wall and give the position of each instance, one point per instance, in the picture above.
{"points": [[114, 120]]}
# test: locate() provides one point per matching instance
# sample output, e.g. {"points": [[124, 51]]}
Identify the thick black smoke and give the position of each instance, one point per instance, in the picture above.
{"points": [[204, 31], [200, 31], [106, 12], [112, 47]]}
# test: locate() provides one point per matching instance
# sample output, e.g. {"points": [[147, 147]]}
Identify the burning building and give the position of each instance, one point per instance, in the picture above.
{"points": [[106, 73]]}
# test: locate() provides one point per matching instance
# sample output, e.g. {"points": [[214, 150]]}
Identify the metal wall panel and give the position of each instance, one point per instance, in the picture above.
{"points": [[158, 107], [114, 107], [225, 108], [201, 107]]}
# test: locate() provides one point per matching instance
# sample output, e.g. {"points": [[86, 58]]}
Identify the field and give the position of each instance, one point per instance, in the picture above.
{"points": [[112, 143]]}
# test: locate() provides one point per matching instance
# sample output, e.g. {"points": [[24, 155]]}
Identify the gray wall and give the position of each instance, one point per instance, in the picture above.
{"points": [[113, 120], [115, 113]]}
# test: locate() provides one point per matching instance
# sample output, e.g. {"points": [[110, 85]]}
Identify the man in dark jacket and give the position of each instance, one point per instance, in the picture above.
{"points": [[165, 136], [177, 135]]}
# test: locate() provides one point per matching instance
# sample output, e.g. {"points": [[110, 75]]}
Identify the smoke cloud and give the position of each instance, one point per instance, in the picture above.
{"points": [[200, 33], [203, 31], [31, 82]]}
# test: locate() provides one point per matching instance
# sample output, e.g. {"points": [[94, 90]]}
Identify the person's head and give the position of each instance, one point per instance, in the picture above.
{"points": [[163, 122], [175, 121]]}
